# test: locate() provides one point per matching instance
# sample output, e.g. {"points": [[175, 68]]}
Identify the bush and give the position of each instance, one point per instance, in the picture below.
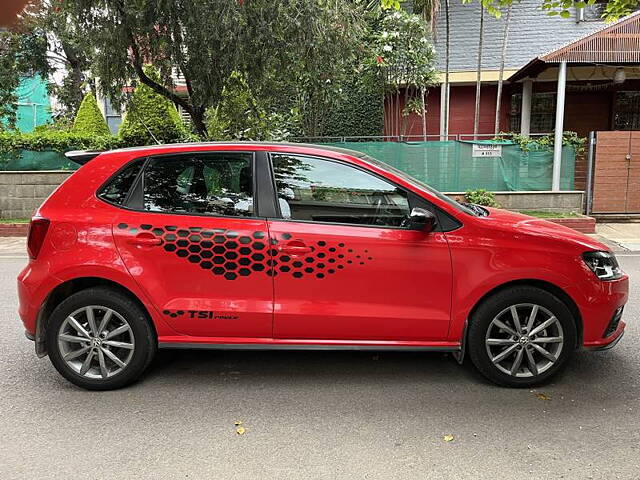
{"points": [[360, 111], [151, 118], [481, 197], [89, 120], [57, 141], [545, 142]]}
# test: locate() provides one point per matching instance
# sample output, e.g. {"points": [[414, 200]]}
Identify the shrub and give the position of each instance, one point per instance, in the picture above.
{"points": [[55, 140], [150, 117], [360, 110], [89, 120], [481, 197], [545, 142]]}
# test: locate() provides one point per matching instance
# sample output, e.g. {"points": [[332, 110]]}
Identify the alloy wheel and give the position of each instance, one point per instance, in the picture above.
{"points": [[96, 342], [524, 340]]}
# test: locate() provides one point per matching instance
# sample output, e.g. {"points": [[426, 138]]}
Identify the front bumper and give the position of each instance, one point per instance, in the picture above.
{"points": [[607, 342]]}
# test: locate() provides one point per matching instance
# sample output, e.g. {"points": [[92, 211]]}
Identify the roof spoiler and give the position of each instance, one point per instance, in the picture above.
{"points": [[82, 156]]}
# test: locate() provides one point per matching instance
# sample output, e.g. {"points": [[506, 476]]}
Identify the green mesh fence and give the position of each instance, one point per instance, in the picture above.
{"points": [[33, 160], [447, 166], [450, 166]]}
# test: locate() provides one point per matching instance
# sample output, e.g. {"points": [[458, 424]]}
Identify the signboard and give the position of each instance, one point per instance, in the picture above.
{"points": [[485, 150]]}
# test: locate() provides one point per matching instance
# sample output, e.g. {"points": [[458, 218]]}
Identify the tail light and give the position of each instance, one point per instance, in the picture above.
{"points": [[37, 232]]}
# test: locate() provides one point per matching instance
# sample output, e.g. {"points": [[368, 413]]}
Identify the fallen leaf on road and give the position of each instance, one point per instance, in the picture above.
{"points": [[237, 422], [240, 430], [542, 396], [448, 438]]}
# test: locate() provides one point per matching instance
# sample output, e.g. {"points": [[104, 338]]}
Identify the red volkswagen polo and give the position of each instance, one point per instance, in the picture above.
{"points": [[256, 245]]}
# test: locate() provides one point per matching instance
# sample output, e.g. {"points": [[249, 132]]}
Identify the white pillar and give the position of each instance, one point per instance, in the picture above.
{"points": [[557, 143], [443, 112], [525, 111]]}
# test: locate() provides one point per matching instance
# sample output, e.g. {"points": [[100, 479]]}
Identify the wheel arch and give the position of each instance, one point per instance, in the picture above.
{"points": [[563, 296], [70, 287]]}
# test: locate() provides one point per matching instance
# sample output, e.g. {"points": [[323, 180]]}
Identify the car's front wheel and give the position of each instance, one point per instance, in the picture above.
{"points": [[100, 339], [521, 336]]}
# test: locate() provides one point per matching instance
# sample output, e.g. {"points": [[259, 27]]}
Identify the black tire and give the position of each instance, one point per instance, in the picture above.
{"points": [[493, 306], [143, 335]]}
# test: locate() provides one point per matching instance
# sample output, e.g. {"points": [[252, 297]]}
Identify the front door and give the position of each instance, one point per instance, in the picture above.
{"points": [[192, 242], [346, 267]]}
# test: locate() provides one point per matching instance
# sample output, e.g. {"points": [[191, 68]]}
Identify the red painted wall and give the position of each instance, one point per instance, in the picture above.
{"points": [[461, 108]]}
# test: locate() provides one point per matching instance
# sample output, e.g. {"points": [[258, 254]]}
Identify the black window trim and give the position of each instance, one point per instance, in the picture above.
{"points": [[137, 186], [410, 196]]}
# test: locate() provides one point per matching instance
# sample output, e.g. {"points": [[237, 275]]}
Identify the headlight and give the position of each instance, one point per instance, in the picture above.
{"points": [[603, 264]]}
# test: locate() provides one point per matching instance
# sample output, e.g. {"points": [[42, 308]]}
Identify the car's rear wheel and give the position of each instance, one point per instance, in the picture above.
{"points": [[521, 336], [100, 339]]}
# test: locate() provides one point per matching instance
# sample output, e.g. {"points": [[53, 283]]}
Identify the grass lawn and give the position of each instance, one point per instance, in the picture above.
{"points": [[14, 220], [536, 213]]}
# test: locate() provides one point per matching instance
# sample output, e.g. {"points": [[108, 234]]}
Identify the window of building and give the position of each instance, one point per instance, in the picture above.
{"points": [[543, 112], [313, 189], [202, 183], [626, 110]]}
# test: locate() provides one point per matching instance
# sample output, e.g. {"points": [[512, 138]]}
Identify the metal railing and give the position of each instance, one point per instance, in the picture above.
{"points": [[406, 138]]}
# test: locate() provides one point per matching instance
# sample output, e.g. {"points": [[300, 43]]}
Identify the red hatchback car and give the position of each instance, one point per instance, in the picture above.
{"points": [[268, 245]]}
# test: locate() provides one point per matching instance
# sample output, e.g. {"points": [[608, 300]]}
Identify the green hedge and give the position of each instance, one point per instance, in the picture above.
{"points": [[361, 112], [57, 141], [150, 117], [89, 120]]}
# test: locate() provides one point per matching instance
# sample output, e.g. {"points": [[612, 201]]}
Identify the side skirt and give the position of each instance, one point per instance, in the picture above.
{"points": [[309, 346]]}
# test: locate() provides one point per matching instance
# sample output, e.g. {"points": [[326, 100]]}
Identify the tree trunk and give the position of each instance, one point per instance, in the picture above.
{"points": [[76, 75], [505, 41], [446, 70], [476, 117]]}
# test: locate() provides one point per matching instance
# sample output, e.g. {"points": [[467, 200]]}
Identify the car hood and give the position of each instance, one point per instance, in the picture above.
{"points": [[537, 227]]}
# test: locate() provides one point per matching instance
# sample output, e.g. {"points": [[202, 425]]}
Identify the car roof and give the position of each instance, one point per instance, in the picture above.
{"points": [[262, 145]]}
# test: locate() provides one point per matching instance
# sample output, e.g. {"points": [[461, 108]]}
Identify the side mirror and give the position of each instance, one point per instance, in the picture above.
{"points": [[421, 219]]}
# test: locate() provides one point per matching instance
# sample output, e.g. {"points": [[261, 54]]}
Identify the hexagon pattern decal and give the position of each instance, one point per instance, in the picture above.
{"points": [[234, 255]]}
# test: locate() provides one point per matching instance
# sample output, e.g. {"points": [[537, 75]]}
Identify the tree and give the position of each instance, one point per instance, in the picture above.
{"points": [[269, 42], [89, 120], [476, 115], [613, 10], [505, 42], [56, 48], [404, 53], [21, 54], [150, 117]]}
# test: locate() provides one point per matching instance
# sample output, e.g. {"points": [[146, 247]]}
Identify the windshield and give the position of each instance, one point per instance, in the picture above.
{"points": [[417, 183]]}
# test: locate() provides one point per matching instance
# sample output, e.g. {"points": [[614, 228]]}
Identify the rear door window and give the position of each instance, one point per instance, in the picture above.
{"points": [[219, 184]]}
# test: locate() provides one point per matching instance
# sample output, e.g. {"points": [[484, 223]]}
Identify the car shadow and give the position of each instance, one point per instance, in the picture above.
{"points": [[588, 373]]}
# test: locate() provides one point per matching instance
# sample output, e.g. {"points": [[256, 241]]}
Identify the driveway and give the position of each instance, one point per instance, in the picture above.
{"points": [[318, 415]]}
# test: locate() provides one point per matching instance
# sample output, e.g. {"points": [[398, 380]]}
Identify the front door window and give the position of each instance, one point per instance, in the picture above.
{"points": [[317, 190]]}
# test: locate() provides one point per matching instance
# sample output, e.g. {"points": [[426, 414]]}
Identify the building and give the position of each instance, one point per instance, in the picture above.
{"points": [[32, 106], [587, 64]]}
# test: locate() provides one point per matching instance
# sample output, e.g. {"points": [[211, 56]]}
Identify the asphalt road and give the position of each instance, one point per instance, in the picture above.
{"points": [[313, 415]]}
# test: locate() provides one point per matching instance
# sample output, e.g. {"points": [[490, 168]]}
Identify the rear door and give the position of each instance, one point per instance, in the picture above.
{"points": [[346, 267], [191, 240]]}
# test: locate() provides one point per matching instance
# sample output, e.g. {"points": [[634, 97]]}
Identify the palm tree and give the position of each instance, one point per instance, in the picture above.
{"points": [[476, 117], [505, 41]]}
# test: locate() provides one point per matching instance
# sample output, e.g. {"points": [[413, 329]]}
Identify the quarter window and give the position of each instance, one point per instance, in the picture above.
{"points": [[206, 184], [312, 189], [117, 189]]}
